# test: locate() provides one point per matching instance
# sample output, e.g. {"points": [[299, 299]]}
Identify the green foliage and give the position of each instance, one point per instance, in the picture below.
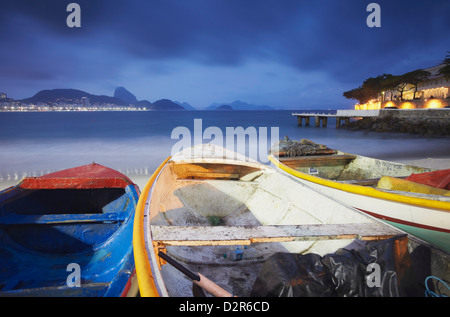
{"points": [[415, 77], [373, 87], [445, 71]]}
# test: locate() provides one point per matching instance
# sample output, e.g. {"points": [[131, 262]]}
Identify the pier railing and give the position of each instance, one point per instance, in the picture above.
{"points": [[339, 115]]}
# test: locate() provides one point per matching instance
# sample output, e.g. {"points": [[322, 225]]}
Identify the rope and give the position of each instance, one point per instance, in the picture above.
{"points": [[429, 293]]}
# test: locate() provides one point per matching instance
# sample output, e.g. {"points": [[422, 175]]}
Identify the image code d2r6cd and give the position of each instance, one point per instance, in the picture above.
{"points": [[246, 306]]}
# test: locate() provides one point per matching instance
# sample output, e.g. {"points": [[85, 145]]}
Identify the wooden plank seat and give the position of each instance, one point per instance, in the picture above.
{"points": [[361, 182], [212, 171], [317, 160], [244, 235], [366, 182], [213, 175], [51, 219]]}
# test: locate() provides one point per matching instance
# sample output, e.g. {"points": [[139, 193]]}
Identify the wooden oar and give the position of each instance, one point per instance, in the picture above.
{"points": [[197, 278], [197, 291]]}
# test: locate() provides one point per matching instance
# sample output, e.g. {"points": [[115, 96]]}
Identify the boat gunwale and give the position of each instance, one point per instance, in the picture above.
{"points": [[363, 190], [146, 282]]}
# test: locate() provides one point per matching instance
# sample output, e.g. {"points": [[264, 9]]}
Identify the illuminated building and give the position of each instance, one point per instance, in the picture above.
{"points": [[431, 93]]}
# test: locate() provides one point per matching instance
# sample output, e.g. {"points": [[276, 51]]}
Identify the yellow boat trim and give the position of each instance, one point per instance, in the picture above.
{"points": [[144, 274], [362, 190]]}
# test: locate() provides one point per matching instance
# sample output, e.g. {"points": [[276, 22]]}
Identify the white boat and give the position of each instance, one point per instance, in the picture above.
{"points": [[227, 224], [357, 180]]}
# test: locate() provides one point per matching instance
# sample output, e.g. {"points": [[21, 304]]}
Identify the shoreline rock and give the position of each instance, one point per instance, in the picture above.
{"points": [[423, 125]]}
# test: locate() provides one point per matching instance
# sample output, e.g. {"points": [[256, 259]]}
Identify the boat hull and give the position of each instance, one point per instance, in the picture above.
{"points": [[68, 234], [226, 218], [429, 218]]}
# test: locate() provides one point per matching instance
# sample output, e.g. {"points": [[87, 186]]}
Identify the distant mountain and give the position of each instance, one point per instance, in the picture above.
{"points": [[240, 105], [70, 96], [224, 107], [143, 103], [124, 95], [165, 104], [185, 105]]}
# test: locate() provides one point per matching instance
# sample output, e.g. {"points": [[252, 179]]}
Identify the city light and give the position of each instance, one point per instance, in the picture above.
{"points": [[434, 103], [407, 105], [425, 104]]}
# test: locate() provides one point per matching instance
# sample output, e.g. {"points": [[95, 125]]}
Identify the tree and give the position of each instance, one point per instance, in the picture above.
{"points": [[445, 71], [372, 88], [415, 77], [401, 85], [357, 94], [389, 83]]}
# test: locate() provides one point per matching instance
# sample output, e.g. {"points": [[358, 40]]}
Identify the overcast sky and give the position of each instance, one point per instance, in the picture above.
{"points": [[288, 54]]}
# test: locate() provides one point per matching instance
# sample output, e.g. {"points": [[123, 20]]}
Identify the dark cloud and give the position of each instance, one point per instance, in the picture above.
{"points": [[330, 37], [340, 42]]}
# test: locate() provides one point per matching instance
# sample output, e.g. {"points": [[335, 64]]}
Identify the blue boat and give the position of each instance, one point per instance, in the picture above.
{"points": [[69, 233]]}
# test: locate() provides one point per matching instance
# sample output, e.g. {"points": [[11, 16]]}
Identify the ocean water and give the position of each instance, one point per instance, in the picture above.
{"points": [[135, 143]]}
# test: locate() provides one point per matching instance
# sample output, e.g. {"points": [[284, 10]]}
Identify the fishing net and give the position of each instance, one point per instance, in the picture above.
{"points": [[347, 272], [292, 148]]}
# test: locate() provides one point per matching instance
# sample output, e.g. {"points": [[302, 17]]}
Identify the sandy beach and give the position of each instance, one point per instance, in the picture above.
{"points": [[141, 180], [436, 163]]}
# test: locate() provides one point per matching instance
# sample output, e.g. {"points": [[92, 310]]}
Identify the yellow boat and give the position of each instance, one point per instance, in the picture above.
{"points": [[373, 186], [213, 219]]}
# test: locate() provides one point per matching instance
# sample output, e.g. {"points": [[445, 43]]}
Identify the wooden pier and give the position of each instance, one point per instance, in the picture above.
{"points": [[340, 115]]}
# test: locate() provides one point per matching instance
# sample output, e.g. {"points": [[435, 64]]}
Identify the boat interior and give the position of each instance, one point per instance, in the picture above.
{"points": [[226, 221], [44, 230], [349, 168]]}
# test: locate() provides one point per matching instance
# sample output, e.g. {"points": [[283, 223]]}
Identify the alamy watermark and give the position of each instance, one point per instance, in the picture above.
{"points": [[374, 18], [250, 142], [74, 18], [373, 279], [74, 278]]}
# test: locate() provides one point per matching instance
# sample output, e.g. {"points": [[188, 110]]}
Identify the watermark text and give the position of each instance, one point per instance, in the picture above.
{"points": [[250, 142]]}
